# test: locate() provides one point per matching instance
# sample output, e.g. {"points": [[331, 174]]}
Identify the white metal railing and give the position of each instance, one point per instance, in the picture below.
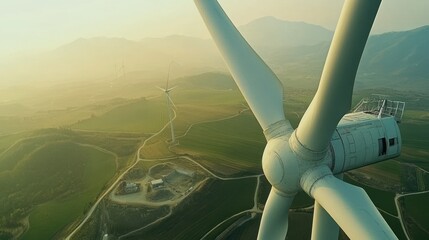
{"points": [[381, 106]]}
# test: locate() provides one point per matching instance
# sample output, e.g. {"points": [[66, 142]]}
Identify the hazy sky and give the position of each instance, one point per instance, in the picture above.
{"points": [[33, 26]]}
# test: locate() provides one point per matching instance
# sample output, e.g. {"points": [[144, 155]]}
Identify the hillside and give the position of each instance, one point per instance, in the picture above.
{"points": [[269, 33], [45, 169], [107, 58], [389, 60], [295, 50], [400, 56]]}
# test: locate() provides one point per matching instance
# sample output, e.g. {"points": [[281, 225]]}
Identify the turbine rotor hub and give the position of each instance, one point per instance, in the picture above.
{"points": [[284, 168]]}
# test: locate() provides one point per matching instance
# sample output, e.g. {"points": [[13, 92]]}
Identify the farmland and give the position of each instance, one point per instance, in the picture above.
{"points": [[227, 142], [54, 174], [417, 216], [218, 201], [63, 177], [213, 126], [138, 116]]}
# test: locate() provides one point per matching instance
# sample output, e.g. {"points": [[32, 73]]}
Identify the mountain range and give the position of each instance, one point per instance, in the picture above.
{"points": [[296, 51]]}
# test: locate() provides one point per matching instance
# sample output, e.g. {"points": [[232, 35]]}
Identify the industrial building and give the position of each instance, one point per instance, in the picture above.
{"points": [[128, 187], [157, 183]]}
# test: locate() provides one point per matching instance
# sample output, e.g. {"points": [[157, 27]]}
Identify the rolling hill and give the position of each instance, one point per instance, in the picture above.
{"points": [[403, 56], [44, 169], [270, 33], [295, 50]]}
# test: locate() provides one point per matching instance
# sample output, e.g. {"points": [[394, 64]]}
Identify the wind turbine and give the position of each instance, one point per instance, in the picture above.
{"points": [[327, 141], [170, 103]]}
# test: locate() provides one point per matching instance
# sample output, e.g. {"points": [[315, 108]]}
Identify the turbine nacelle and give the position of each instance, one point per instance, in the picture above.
{"points": [[166, 90]]}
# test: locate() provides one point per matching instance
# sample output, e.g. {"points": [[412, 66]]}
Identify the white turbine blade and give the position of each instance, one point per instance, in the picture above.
{"points": [[169, 89], [348, 205], [160, 88], [168, 74], [171, 101], [333, 97], [259, 85], [274, 222], [324, 227]]}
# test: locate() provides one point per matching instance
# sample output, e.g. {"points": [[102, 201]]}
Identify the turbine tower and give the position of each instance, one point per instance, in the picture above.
{"points": [[170, 103], [327, 141]]}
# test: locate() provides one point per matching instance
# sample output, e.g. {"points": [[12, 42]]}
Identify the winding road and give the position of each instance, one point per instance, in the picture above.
{"points": [[398, 209], [92, 209], [139, 159]]}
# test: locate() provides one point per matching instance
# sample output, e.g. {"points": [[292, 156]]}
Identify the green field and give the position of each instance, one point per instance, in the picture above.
{"points": [[52, 178], [8, 140], [205, 209], [248, 230], [237, 142], [415, 134], [139, 116], [26, 146], [224, 226], [299, 227], [54, 118], [195, 102], [210, 80], [123, 145], [395, 225], [381, 199], [96, 169], [417, 216]]}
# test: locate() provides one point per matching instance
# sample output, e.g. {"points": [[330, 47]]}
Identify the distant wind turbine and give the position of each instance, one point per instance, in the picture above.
{"points": [[170, 103]]}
